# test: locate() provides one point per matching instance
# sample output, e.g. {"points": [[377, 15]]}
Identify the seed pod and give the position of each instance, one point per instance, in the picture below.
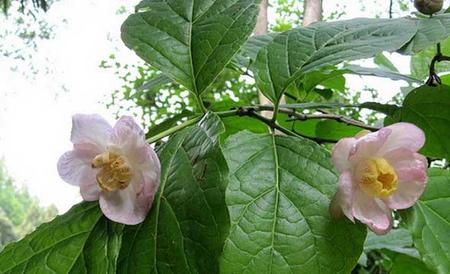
{"points": [[428, 6]]}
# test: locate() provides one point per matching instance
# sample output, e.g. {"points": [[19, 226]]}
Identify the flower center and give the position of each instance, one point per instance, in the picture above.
{"points": [[378, 177], [114, 172]]}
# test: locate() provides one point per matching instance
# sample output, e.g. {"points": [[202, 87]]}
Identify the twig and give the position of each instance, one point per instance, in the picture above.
{"points": [[390, 8], [252, 112], [303, 117]]}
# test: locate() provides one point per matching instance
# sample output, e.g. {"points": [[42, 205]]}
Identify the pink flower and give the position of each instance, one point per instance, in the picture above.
{"points": [[379, 171], [112, 164]]}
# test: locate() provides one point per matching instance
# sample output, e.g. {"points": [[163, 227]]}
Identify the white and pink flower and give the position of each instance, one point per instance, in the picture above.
{"points": [[379, 172], [113, 165]]}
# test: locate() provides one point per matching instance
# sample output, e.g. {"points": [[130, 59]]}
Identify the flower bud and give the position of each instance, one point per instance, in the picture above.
{"points": [[428, 6]]}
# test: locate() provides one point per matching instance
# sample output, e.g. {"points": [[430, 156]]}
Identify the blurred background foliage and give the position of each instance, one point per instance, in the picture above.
{"points": [[37, 4], [20, 213]]}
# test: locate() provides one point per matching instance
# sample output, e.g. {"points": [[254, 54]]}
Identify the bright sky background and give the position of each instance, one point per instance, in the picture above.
{"points": [[35, 114]]}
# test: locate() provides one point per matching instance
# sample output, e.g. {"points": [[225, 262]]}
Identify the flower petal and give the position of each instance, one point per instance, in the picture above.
{"points": [[90, 192], [341, 152], [74, 167], [403, 135], [127, 136], [130, 205], [368, 145], [119, 206], [411, 169], [90, 129], [151, 168], [342, 200], [371, 212]]}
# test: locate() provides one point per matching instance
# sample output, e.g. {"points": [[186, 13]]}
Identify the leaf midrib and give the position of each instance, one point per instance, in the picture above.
{"points": [[160, 197]]}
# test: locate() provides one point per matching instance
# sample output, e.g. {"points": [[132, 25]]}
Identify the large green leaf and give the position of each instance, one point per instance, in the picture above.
{"points": [[300, 50], [278, 196], [429, 108], [191, 41], [397, 240], [185, 231], [429, 221], [429, 31], [247, 55], [80, 241], [101, 250]]}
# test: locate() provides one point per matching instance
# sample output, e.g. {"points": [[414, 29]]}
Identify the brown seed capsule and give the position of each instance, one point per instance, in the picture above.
{"points": [[428, 6]]}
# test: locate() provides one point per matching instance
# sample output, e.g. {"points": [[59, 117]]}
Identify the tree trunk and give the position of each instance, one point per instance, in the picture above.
{"points": [[261, 28], [262, 22], [312, 11]]}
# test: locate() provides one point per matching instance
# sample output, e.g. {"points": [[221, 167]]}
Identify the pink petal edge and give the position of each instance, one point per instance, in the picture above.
{"points": [[342, 200], [404, 135], [90, 129]]}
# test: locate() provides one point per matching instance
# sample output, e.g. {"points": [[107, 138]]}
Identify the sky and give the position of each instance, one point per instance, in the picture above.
{"points": [[35, 113]]}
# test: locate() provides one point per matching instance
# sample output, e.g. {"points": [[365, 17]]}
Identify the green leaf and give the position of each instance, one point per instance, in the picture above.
{"points": [[334, 130], [429, 108], [235, 124], [168, 123], [185, 231], [155, 83], [355, 69], [65, 245], [101, 250], [420, 62], [278, 196], [429, 221], [430, 31], [387, 109], [402, 264], [381, 60], [329, 130], [293, 53], [397, 240], [190, 41], [247, 55], [333, 79]]}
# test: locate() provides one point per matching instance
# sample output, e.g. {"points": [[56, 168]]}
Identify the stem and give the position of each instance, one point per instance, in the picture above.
{"points": [[200, 104], [275, 111], [390, 8], [433, 78], [173, 130]]}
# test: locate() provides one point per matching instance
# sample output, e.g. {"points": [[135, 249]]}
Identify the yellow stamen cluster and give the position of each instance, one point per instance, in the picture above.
{"points": [[377, 177], [114, 172]]}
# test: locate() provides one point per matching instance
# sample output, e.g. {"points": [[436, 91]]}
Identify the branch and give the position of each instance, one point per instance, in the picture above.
{"points": [[252, 112], [303, 117]]}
